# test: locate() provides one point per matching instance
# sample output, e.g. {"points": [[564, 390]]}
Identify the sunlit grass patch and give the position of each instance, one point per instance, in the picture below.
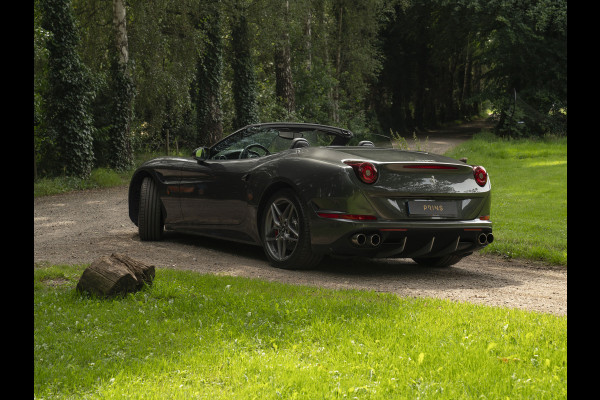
{"points": [[529, 194], [208, 337]]}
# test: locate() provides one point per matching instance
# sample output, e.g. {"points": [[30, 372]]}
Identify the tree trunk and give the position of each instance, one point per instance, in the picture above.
{"points": [[338, 70], [209, 70], [120, 25], [115, 274], [476, 86], [421, 61], [284, 84], [451, 105], [167, 144], [466, 90], [308, 41], [121, 156], [244, 80]]}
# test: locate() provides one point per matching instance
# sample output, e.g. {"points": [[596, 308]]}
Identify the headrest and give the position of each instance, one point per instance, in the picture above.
{"points": [[298, 143], [367, 143]]}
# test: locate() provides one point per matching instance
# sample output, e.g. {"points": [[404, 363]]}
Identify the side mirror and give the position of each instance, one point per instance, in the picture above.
{"points": [[201, 153]]}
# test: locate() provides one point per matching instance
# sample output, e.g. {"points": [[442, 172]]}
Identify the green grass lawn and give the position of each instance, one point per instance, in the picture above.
{"points": [[529, 194], [193, 336], [100, 177]]}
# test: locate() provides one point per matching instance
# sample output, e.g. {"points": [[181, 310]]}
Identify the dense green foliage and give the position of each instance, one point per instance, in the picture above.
{"points": [[444, 58], [193, 336], [529, 194], [201, 68]]}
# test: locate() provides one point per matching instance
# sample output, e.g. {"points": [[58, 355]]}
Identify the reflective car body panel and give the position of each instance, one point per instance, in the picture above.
{"points": [[421, 204]]}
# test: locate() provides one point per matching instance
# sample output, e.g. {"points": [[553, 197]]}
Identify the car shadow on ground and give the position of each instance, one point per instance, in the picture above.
{"points": [[216, 244], [364, 273], [405, 271]]}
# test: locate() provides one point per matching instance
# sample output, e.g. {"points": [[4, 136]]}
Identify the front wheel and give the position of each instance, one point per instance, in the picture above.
{"points": [[286, 233]]}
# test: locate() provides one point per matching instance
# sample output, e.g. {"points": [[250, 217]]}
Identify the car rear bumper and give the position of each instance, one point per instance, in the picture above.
{"points": [[399, 239]]}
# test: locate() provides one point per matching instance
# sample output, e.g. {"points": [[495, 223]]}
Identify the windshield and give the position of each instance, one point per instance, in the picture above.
{"points": [[257, 141], [260, 141]]}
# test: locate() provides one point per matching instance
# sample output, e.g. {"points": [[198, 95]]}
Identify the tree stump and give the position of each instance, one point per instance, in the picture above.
{"points": [[115, 274]]}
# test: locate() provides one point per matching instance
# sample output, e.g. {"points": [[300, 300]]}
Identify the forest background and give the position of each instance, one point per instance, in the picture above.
{"points": [[114, 77]]}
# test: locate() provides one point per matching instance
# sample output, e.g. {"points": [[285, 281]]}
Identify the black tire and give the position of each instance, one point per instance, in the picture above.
{"points": [[285, 232], [150, 219], [438, 262]]}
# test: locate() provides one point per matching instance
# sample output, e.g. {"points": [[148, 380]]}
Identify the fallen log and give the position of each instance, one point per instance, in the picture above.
{"points": [[115, 274]]}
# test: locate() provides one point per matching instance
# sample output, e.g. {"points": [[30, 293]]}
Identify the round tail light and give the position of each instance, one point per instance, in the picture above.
{"points": [[365, 171], [481, 175]]}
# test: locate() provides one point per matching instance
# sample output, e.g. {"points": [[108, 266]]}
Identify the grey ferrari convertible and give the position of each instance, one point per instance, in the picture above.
{"points": [[302, 191]]}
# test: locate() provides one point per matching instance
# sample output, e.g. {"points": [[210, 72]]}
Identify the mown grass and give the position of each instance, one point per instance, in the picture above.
{"points": [[529, 194], [99, 178], [193, 336]]}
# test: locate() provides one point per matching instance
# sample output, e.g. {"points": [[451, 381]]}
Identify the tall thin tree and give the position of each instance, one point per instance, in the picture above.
{"points": [[121, 153], [284, 83], [244, 80], [209, 73]]}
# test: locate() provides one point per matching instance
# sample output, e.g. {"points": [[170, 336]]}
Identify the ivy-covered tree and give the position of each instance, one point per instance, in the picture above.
{"points": [[39, 86], [244, 79], [120, 154], [284, 83], [69, 91], [209, 74], [120, 151]]}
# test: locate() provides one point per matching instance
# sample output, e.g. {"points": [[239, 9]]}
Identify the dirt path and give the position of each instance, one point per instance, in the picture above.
{"points": [[78, 227]]}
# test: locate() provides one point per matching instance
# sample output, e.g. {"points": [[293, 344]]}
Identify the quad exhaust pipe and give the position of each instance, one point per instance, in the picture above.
{"points": [[374, 240], [360, 240], [485, 238]]}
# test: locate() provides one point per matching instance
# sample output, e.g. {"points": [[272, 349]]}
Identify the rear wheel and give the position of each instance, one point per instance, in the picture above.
{"points": [[438, 262], [286, 232], [150, 219]]}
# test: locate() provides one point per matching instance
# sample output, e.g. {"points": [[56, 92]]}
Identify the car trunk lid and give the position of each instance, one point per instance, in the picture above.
{"points": [[419, 185]]}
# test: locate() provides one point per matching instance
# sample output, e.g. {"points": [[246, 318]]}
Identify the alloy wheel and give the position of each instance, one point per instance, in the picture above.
{"points": [[282, 229]]}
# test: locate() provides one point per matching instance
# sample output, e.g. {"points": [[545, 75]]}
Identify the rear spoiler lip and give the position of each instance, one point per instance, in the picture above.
{"points": [[400, 166]]}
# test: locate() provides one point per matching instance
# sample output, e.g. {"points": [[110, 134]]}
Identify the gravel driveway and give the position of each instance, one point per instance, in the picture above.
{"points": [[78, 227]]}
